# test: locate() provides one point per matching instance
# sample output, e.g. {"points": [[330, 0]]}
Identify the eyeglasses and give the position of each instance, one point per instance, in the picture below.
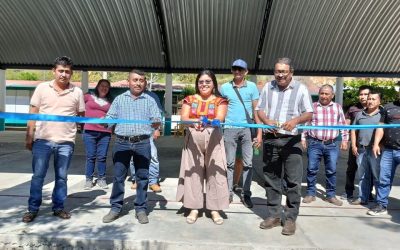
{"points": [[281, 72], [141, 80], [237, 69], [205, 81]]}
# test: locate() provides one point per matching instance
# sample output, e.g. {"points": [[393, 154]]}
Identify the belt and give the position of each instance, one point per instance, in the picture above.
{"points": [[135, 138], [276, 136], [325, 142]]}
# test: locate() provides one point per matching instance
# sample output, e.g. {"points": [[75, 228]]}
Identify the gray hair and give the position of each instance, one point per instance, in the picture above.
{"points": [[286, 61], [327, 86]]}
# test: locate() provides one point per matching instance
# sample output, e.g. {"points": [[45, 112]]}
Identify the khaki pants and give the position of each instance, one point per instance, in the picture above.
{"points": [[203, 159]]}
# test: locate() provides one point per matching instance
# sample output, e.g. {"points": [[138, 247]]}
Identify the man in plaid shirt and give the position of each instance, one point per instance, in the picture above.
{"points": [[323, 143]]}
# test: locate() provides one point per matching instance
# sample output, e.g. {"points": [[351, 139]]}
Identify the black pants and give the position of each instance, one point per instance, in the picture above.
{"points": [[350, 173], [283, 162]]}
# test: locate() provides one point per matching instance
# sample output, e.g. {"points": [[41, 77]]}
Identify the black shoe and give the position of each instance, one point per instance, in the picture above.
{"points": [[246, 200]]}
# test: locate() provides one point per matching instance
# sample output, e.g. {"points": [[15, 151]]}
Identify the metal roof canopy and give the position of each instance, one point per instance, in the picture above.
{"points": [[323, 37]]}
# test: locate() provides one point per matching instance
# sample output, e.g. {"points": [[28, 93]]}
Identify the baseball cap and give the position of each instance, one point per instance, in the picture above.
{"points": [[239, 63]]}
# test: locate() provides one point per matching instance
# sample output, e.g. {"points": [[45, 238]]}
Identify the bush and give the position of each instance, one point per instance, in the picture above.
{"points": [[28, 76]]}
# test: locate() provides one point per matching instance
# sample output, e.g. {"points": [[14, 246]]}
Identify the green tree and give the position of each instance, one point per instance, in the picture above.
{"points": [[386, 87], [187, 90], [184, 78]]}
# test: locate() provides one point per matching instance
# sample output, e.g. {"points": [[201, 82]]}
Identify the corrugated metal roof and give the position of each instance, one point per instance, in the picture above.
{"points": [[335, 35], [321, 36], [94, 33], [212, 33]]}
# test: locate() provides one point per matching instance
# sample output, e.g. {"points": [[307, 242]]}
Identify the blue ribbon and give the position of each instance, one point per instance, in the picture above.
{"points": [[77, 119]]}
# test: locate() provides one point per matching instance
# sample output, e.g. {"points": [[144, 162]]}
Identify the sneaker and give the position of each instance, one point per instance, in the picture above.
{"points": [[142, 217], [88, 184], [29, 217], [308, 199], [155, 188], [358, 201], [246, 200], [346, 196], [334, 201], [102, 183], [134, 185], [110, 217], [378, 210]]}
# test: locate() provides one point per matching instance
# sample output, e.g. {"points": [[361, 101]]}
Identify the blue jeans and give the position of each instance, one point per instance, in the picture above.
{"points": [[41, 153], [367, 165], [330, 153], [233, 138], [389, 160], [123, 151], [154, 169], [96, 145]]}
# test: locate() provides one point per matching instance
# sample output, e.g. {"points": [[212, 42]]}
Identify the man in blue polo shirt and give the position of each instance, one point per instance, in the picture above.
{"points": [[239, 136]]}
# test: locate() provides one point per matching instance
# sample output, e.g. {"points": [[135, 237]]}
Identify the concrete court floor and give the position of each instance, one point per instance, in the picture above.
{"points": [[320, 225]]}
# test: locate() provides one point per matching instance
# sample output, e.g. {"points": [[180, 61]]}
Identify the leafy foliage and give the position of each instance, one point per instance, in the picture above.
{"points": [[386, 87], [187, 90]]}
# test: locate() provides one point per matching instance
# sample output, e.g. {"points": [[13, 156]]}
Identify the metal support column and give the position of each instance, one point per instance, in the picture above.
{"points": [[85, 81], [2, 96], [339, 90], [168, 104]]}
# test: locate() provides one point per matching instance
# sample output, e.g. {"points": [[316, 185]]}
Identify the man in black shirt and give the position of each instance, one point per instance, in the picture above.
{"points": [[351, 113], [390, 157]]}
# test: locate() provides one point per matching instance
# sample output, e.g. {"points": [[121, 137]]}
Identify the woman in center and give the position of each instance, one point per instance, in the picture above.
{"points": [[203, 155]]}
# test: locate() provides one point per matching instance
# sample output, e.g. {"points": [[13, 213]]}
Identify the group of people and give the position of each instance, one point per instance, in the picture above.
{"points": [[210, 151]]}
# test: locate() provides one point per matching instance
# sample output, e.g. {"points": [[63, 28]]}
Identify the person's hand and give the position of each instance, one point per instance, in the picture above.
{"points": [[155, 123], [156, 134], [29, 142], [199, 124], [344, 145], [376, 150], [257, 142], [273, 124], [289, 125], [354, 150], [304, 144]]}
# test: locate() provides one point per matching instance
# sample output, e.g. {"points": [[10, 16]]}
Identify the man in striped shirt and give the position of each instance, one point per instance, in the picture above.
{"points": [[323, 143], [284, 103]]}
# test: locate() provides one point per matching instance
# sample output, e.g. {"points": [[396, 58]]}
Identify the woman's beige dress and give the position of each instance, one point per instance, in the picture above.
{"points": [[203, 161]]}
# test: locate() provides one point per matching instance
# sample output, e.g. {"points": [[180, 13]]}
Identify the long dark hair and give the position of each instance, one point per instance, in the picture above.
{"points": [[108, 97], [213, 78]]}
